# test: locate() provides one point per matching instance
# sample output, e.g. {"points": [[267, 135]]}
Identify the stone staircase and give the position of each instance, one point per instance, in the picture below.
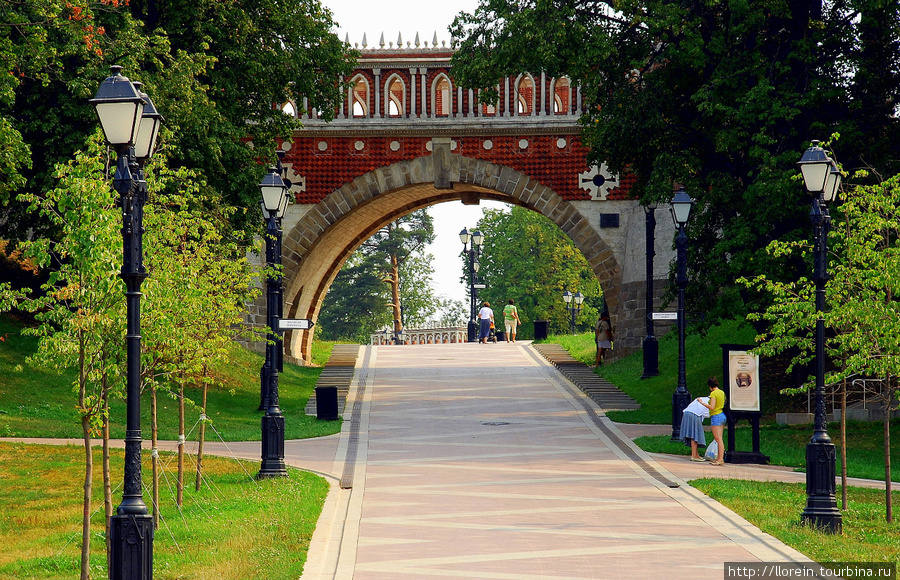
{"points": [[607, 396], [338, 372]]}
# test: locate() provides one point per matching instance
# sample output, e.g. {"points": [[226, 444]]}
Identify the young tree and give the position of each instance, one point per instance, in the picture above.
{"points": [[80, 310], [862, 314]]}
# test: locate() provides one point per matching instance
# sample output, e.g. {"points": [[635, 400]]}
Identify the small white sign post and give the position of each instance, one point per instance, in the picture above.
{"points": [[295, 324]]}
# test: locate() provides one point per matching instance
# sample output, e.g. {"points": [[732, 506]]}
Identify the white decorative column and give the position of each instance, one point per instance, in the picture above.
{"points": [[377, 73], [471, 104], [506, 112], [306, 107], [423, 72], [458, 109], [340, 114], [543, 93], [412, 90], [578, 101]]}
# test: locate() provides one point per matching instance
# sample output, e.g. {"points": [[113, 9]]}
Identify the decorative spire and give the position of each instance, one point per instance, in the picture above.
{"points": [[399, 40], [381, 42], [434, 40], [365, 43], [417, 39], [347, 39]]}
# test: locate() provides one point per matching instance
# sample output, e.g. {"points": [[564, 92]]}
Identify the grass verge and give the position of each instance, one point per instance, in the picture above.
{"points": [[230, 529], [786, 445], [775, 509], [40, 402]]}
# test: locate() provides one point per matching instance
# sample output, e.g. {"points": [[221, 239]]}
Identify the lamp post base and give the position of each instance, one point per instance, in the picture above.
{"points": [[272, 447], [651, 357], [821, 505], [131, 547], [680, 400]]}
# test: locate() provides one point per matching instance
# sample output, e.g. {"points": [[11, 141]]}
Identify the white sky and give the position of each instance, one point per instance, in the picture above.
{"points": [[407, 17]]}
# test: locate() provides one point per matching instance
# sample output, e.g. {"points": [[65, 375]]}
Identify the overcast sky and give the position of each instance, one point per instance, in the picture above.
{"points": [[407, 17]]}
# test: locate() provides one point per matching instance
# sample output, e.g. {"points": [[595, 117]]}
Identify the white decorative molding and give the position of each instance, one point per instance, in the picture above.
{"points": [[598, 181]]}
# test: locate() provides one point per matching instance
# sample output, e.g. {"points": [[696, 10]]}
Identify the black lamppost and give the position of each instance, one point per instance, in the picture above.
{"points": [[649, 346], [681, 210], [477, 240], [573, 305], [822, 180], [130, 124], [278, 309], [274, 202]]}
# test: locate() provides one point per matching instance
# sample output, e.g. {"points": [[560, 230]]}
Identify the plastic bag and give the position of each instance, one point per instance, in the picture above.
{"points": [[712, 450]]}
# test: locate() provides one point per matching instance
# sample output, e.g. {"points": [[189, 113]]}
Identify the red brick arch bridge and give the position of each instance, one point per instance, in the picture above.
{"points": [[406, 137]]}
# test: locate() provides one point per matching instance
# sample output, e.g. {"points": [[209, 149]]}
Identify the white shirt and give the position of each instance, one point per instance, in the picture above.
{"points": [[697, 409], [485, 313]]}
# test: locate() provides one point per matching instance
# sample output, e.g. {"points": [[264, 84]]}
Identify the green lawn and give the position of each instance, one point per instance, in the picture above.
{"points": [[775, 508], [786, 445], [39, 402], [234, 528]]}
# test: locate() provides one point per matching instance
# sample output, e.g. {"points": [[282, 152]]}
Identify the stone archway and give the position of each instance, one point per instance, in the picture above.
{"points": [[317, 245]]}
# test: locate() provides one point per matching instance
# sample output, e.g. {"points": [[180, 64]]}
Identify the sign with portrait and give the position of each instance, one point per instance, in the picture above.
{"points": [[743, 380]]}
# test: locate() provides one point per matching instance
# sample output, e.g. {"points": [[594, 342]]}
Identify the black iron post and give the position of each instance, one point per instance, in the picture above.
{"points": [[472, 328], [130, 123], [681, 397], [131, 529], [649, 345], [571, 319], [821, 505], [272, 423]]}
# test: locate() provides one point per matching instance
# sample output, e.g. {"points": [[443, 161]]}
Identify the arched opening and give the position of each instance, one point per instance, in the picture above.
{"points": [[289, 109], [441, 96], [314, 252], [525, 94], [395, 96], [359, 96], [562, 96]]}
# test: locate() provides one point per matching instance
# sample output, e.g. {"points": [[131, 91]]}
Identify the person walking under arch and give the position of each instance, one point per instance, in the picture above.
{"points": [[603, 336], [486, 317], [511, 320]]}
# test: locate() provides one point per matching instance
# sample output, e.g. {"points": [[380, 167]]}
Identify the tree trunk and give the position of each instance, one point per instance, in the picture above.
{"points": [[180, 485], [107, 483], [844, 445], [86, 503], [395, 293], [88, 464], [888, 400], [154, 457], [202, 433]]}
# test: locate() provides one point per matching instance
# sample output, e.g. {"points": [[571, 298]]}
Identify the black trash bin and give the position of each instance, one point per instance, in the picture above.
{"points": [[326, 403], [540, 329]]}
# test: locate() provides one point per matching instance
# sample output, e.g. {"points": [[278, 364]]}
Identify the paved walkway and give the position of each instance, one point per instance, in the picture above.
{"points": [[481, 461], [473, 461]]}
